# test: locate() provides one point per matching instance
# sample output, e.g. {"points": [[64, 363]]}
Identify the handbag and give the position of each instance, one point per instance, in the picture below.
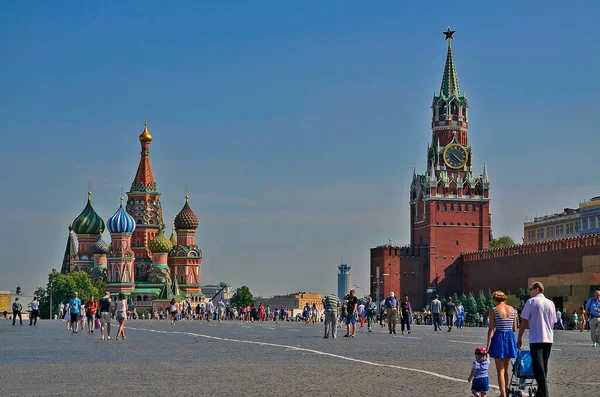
{"points": [[97, 324]]}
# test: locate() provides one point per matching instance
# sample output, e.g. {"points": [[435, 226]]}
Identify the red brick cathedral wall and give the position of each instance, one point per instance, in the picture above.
{"points": [[508, 269]]}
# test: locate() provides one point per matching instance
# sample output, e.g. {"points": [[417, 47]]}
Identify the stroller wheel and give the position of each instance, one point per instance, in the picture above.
{"points": [[531, 391], [519, 393]]}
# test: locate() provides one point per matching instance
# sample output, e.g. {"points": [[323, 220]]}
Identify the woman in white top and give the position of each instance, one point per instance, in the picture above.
{"points": [[68, 316], [173, 311], [121, 315]]}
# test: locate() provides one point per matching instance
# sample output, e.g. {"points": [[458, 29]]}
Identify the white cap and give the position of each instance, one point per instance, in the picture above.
{"points": [[392, 293]]}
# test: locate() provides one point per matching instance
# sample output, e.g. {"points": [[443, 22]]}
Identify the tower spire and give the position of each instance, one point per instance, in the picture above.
{"points": [[144, 178], [449, 79], [486, 178]]}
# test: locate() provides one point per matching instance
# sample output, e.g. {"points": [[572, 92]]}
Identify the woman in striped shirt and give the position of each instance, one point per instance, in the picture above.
{"points": [[501, 341]]}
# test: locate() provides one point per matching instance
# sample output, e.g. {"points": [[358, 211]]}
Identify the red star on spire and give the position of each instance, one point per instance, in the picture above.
{"points": [[449, 33]]}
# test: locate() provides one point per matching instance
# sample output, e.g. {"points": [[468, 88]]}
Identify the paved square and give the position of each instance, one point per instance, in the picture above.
{"points": [[263, 359]]}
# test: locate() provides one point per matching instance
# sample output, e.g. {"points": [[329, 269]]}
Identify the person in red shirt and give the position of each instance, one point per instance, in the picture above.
{"points": [[90, 310]]}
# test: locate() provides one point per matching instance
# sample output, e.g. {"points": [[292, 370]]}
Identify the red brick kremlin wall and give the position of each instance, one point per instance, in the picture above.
{"points": [[508, 269], [402, 270]]}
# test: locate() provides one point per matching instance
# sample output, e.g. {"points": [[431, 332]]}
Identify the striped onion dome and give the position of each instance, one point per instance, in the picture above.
{"points": [[100, 247], [186, 219], [160, 243], [121, 221], [88, 222]]}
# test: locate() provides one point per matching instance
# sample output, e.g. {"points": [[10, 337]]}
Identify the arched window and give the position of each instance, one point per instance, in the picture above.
{"points": [[472, 224], [454, 108], [458, 207], [458, 223], [139, 298], [444, 223], [145, 298], [444, 208], [442, 110]]}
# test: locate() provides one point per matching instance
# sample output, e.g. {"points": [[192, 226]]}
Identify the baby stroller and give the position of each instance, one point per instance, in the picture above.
{"points": [[522, 378]]}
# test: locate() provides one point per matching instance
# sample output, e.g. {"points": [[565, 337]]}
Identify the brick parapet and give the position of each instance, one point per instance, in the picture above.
{"points": [[534, 248]]}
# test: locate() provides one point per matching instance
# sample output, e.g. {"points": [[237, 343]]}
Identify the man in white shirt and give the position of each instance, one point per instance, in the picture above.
{"points": [[539, 314], [35, 311]]}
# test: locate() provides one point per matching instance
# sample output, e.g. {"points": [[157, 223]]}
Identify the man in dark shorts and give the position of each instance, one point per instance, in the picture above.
{"points": [[450, 312], [350, 316], [75, 305]]}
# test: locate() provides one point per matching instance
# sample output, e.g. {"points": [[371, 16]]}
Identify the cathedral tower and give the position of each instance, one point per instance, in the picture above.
{"points": [[119, 274], [185, 257], [143, 204], [88, 226], [449, 204]]}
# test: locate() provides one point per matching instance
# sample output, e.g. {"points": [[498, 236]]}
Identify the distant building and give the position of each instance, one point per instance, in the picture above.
{"points": [[211, 290], [293, 301], [550, 227], [590, 216], [344, 280]]}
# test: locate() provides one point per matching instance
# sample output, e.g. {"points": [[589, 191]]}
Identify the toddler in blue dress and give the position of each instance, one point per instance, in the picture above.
{"points": [[479, 373]]}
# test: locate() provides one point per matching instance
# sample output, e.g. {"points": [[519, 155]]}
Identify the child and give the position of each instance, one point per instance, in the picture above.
{"points": [[479, 373]]}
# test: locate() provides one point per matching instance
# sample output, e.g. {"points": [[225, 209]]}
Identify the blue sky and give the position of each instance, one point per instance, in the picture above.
{"points": [[295, 124]]}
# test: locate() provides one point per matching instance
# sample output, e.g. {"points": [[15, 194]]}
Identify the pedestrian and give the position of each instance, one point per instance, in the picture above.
{"points": [[74, 309], [61, 311], [501, 341], [91, 306], [407, 313], [68, 316], [539, 313], [121, 315], [331, 303], [460, 315], [479, 373], [173, 311], [35, 311], [209, 310], [105, 302], [391, 308], [371, 311], [559, 322], [220, 309], [361, 314], [436, 309], [450, 310], [17, 308], [351, 313], [592, 309]]}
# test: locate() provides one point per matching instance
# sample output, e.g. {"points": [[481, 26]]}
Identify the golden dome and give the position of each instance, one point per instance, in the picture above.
{"points": [[145, 136]]}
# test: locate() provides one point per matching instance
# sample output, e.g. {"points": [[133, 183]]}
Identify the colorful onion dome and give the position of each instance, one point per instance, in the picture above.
{"points": [[100, 247], [121, 221], [159, 274], [160, 243], [145, 136], [173, 237], [88, 222], [186, 219]]}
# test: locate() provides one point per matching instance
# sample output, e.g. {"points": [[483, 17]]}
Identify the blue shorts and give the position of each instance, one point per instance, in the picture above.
{"points": [[480, 385], [350, 319]]}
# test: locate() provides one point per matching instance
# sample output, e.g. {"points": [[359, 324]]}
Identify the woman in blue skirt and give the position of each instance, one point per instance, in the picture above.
{"points": [[501, 341]]}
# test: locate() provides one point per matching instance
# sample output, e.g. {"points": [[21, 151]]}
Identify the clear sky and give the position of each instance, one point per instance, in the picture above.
{"points": [[295, 124]]}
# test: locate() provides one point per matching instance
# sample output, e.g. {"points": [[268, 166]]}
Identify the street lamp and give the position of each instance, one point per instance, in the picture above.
{"points": [[364, 292], [51, 288]]}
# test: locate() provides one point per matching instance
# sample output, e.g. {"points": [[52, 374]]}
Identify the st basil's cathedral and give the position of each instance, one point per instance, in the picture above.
{"points": [[140, 261]]}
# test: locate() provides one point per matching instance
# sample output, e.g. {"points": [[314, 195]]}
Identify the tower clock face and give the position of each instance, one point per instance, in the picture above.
{"points": [[455, 156]]}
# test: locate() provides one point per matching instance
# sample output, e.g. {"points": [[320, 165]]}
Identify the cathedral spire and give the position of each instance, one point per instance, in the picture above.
{"points": [[450, 79], [144, 178], [70, 257]]}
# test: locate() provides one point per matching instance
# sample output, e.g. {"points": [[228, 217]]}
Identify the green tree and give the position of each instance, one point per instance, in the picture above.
{"points": [[455, 298], [502, 242], [489, 300], [481, 304], [242, 297], [63, 286], [463, 298], [470, 308]]}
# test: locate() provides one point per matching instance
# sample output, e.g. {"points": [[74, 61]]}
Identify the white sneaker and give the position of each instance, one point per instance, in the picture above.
{"points": [[595, 344]]}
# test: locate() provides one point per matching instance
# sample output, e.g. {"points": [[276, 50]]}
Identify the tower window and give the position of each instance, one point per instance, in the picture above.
{"points": [[473, 208], [444, 208], [456, 242], [458, 207]]}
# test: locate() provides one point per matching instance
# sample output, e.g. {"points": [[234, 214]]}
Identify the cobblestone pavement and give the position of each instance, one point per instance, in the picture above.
{"points": [[263, 359]]}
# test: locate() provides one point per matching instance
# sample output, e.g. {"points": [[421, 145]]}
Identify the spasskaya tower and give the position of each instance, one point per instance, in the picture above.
{"points": [[449, 203]]}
